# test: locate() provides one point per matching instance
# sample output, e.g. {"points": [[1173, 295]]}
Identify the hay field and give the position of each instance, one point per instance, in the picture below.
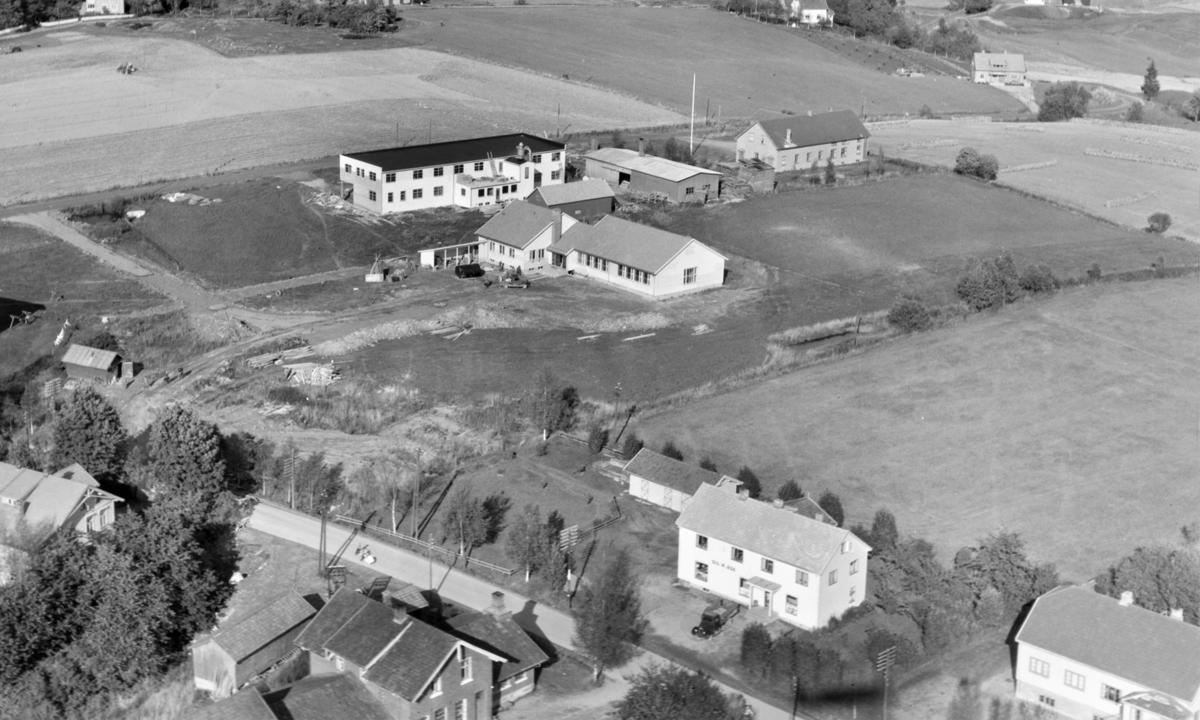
{"points": [[72, 124], [1070, 421], [1122, 191]]}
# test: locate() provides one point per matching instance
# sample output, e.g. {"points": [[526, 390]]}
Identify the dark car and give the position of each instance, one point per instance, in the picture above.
{"points": [[468, 271], [714, 619]]}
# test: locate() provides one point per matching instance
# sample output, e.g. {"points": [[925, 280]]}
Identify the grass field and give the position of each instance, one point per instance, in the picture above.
{"points": [[1122, 191], [1070, 421]]}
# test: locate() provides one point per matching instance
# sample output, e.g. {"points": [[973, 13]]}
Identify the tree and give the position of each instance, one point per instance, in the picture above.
{"points": [[597, 438], [967, 703], [463, 519], [1063, 101], [1161, 578], [608, 617], [88, 431], [1150, 82], [977, 6], [749, 481], [552, 404], [789, 490], [668, 691], [989, 283], [756, 649], [1191, 109], [525, 543], [972, 163], [909, 314], [830, 172], [832, 504], [884, 534], [999, 562], [707, 463], [671, 451], [182, 456], [1038, 278], [1158, 223], [1136, 113], [630, 446]]}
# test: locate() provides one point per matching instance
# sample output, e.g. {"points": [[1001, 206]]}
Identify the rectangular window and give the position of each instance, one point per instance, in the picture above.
{"points": [[853, 567], [555, 174], [845, 546], [768, 566], [512, 252], [460, 710], [439, 714], [808, 157], [439, 171], [437, 688], [790, 605], [391, 197], [702, 572], [513, 188], [533, 255], [689, 191], [555, 156], [403, 193], [604, 265], [537, 158], [702, 542], [371, 175], [462, 192], [478, 167], [802, 578], [358, 172], [1038, 666], [371, 194], [1110, 693], [1049, 702], [458, 169], [743, 587], [390, 177], [489, 191], [689, 276], [464, 667], [645, 278], [438, 191], [480, 191], [833, 577], [1074, 680], [418, 194], [347, 167], [418, 174]]}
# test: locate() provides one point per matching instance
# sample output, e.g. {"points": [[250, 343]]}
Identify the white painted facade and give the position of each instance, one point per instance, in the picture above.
{"points": [[1042, 679], [755, 144], [643, 488], [532, 256], [697, 267]]}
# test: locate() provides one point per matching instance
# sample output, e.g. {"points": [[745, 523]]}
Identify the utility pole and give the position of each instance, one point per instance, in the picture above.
{"points": [[883, 664], [692, 130]]}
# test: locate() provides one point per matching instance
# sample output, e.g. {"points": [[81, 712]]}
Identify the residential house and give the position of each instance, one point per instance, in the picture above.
{"points": [[497, 631], [518, 235], [998, 68], [325, 698], [808, 12], [102, 7], [584, 200], [638, 258], [1086, 655], [641, 173], [466, 173], [797, 142], [412, 668], [235, 652], [89, 363], [70, 498], [667, 482], [248, 705], [765, 555]]}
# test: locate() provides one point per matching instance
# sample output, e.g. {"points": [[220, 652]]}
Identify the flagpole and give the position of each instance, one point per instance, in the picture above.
{"points": [[692, 129]]}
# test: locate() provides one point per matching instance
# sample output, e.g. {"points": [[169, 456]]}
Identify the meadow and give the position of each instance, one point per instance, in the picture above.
{"points": [[1070, 421]]}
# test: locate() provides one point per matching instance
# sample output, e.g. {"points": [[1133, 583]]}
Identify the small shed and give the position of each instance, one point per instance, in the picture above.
{"points": [[230, 656], [89, 363], [668, 482]]}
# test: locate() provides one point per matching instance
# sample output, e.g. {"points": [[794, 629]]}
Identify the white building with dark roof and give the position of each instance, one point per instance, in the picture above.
{"points": [[467, 173], [797, 142], [800, 570], [1086, 655], [518, 235], [638, 258], [667, 482]]}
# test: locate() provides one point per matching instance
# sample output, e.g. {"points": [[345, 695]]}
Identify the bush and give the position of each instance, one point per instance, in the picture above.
{"points": [[1093, 272], [597, 438], [1039, 279], [790, 490], [1135, 113], [1063, 101], [925, 112], [910, 315], [630, 446], [972, 163], [671, 451], [989, 284], [1158, 223]]}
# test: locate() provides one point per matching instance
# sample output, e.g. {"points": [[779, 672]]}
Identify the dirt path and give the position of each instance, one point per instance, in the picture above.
{"points": [[1129, 82]]}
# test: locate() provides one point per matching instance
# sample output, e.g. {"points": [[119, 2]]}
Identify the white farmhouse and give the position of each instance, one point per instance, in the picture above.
{"points": [[1086, 655], [518, 235], [803, 571], [797, 142]]}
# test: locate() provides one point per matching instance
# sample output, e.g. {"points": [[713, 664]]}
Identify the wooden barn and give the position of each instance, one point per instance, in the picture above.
{"points": [[89, 363], [641, 173], [227, 658]]}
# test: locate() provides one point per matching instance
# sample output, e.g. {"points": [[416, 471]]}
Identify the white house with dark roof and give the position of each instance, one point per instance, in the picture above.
{"points": [[667, 482], [638, 258], [796, 142], [496, 630], [468, 173], [641, 173], [1086, 655], [800, 570], [518, 235], [583, 200], [998, 68]]}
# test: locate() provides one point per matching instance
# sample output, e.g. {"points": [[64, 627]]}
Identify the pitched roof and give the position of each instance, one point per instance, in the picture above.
{"points": [[760, 527], [246, 705], [673, 473], [89, 357], [566, 193], [411, 662], [624, 242], [325, 697], [242, 638], [810, 130], [814, 5], [47, 499], [1127, 641], [351, 625], [503, 636], [648, 164], [999, 62], [809, 508], [16, 483], [453, 151], [518, 223]]}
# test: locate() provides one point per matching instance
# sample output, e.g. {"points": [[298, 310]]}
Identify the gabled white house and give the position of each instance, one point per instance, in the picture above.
{"points": [[803, 571], [797, 142], [808, 12], [998, 68], [638, 258], [1086, 655], [667, 482], [518, 235]]}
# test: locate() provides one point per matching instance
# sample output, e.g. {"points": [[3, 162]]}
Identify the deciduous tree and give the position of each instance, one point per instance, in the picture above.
{"points": [[463, 519], [608, 616], [884, 534], [668, 691], [1161, 578], [1063, 101]]}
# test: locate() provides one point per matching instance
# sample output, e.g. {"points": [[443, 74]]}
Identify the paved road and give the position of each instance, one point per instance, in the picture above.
{"points": [[469, 591]]}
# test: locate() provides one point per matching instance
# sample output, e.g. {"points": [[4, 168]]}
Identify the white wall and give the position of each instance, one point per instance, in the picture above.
{"points": [[661, 495], [1083, 704], [755, 143], [710, 271]]}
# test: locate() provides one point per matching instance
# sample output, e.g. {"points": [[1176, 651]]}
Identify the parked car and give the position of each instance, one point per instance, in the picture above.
{"points": [[470, 270], [714, 619]]}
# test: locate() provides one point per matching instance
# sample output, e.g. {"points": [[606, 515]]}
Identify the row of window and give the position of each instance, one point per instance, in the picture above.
{"points": [[1072, 679], [441, 171], [460, 712], [417, 194], [737, 555], [633, 274]]}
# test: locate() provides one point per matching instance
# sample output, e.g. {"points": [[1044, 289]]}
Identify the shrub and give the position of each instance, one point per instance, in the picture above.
{"points": [[1158, 223], [1039, 279], [910, 315], [989, 283], [630, 446], [1093, 272], [287, 394], [925, 112], [671, 451], [972, 163], [597, 438], [749, 482], [1063, 101], [790, 490], [708, 464], [1135, 113]]}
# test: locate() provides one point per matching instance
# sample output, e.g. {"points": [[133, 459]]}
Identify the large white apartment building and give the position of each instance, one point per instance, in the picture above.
{"points": [[802, 570], [467, 173]]}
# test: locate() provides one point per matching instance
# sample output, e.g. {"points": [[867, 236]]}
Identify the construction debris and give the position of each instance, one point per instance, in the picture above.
{"points": [[311, 373], [278, 356]]}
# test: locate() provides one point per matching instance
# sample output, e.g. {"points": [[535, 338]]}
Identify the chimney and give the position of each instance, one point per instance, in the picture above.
{"points": [[520, 149], [1176, 614], [788, 140], [641, 146], [743, 494], [1126, 598], [777, 503], [497, 608]]}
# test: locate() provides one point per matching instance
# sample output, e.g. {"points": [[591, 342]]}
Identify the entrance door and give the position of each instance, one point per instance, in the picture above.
{"points": [[537, 179], [623, 178]]}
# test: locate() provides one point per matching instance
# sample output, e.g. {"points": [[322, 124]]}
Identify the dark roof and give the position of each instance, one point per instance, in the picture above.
{"points": [[567, 193], [628, 243], [336, 613], [241, 638], [411, 662], [453, 151], [502, 636], [815, 129], [352, 626], [326, 697], [673, 473], [1130, 642], [998, 62], [246, 705], [518, 224]]}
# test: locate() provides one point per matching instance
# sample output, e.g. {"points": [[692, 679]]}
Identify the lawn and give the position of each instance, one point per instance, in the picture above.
{"points": [[1123, 191], [1070, 421]]}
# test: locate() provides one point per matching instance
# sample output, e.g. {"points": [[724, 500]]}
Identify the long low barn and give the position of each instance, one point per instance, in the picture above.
{"points": [[676, 181]]}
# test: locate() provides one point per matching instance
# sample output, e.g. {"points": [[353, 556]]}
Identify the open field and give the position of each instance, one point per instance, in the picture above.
{"points": [[1122, 191], [1070, 421]]}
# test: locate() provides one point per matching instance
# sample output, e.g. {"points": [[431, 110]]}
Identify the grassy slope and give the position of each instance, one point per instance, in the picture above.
{"points": [[1070, 421], [745, 67]]}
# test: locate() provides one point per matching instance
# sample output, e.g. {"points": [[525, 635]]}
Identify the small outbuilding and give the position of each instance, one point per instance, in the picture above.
{"points": [[89, 363], [667, 482], [641, 173], [585, 200]]}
